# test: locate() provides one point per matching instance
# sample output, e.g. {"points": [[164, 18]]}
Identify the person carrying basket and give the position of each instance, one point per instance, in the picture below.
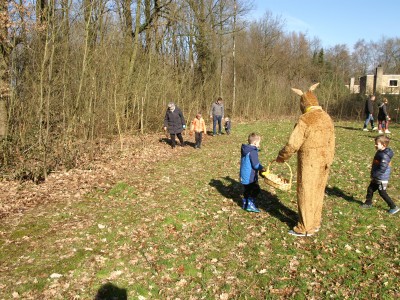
{"points": [[313, 139], [249, 168]]}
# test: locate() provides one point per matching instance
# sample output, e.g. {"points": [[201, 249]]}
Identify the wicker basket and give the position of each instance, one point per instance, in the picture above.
{"points": [[278, 182]]}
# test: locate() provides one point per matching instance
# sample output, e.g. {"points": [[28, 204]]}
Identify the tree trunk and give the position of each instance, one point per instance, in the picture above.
{"points": [[221, 59], [126, 8], [147, 11], [42, 11], [233, 59], [3, 118], [5, 51], [85, 65], [201, 41], [89, 10]]}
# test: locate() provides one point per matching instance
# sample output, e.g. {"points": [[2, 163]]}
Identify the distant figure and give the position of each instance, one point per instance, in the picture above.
{"points": [[174, 122], [380, 174], [383, 117], [217, 114], [369, 113], [313, 138], [249, 168], [198, 126], [227, 125]]}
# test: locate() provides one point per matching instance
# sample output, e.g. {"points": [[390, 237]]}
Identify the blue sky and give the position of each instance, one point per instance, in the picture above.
{"points": [[335, 21]]}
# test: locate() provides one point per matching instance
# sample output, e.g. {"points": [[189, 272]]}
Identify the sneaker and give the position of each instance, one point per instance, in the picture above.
{"points": [[380, 131], [292, 232], [375, 128], [364, 205], [365, 129], [251, 207], [394, 210], [244, 203], [387, 131]]}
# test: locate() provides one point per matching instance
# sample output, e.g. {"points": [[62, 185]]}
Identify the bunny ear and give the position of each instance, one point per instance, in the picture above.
{"points": [[298, 92], [313, 86]]}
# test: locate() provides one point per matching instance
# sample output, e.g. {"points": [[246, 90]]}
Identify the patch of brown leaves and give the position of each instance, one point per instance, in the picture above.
{"points": [[112, 163]]}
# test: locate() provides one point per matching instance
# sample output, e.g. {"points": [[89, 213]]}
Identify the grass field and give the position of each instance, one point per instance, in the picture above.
{"points": [[175, 230]]}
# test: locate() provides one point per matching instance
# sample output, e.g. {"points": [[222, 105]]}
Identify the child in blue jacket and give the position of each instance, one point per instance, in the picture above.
{"points": [[380, 174], [249, 167]]}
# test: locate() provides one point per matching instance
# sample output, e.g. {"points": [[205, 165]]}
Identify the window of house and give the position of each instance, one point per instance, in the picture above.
{"points": [[393, 82]]}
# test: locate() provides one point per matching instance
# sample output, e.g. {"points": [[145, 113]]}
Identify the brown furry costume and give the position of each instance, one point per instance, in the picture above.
{"points": [[313, 139]]}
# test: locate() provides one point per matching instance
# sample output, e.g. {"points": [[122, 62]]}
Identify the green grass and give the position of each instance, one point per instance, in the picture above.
{"points": [[176, 230]]}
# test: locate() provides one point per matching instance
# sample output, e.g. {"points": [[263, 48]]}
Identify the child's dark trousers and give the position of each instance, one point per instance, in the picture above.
{"points": [[198, 137], [251, 190], [381, 187]]}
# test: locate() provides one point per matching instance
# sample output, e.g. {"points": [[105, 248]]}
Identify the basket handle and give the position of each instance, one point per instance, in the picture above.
{"points": [[290, 169]]}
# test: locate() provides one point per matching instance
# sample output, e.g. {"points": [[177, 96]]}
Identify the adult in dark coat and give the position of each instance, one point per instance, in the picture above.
{"points": [[174, 122], [369, 113], [383, 117]]}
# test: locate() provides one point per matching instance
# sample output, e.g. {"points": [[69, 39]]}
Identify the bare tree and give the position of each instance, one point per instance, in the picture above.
{"points": [[361, 57], [73, 81], [234, 57], [5, 52], [127, 12], [389, 55]]}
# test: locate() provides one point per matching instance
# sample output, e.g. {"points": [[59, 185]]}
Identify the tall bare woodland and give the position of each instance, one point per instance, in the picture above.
{"points": [[73, 73]]}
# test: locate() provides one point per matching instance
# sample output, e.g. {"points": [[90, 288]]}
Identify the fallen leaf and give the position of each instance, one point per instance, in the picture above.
{"points": [[224, 296]]}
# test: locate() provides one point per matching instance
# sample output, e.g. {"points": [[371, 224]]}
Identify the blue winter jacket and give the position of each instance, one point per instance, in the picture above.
{"points": [[380, 170], [249, 164]]}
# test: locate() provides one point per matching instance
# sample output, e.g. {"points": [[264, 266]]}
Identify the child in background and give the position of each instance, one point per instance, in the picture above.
{"points": [[380, 174], [383, 117], [227, 125], [198, 126], [249, 166]]}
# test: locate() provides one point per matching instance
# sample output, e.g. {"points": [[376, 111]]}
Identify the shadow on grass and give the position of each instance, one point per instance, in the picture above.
{"points": [[266, 201], [109, 291], [190, 144], [334, 191], [167, 141], [350, 128], [210, 132], [388, 135]]}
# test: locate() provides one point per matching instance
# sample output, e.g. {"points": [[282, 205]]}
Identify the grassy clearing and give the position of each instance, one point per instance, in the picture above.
{"points": [[176, 230]]}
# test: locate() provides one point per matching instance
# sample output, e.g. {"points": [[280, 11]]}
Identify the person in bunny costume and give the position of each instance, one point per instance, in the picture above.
{"points": [[313, 139]]}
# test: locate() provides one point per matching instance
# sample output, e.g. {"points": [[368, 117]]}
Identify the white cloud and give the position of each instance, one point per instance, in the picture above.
{"points": [[296, 24]]}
